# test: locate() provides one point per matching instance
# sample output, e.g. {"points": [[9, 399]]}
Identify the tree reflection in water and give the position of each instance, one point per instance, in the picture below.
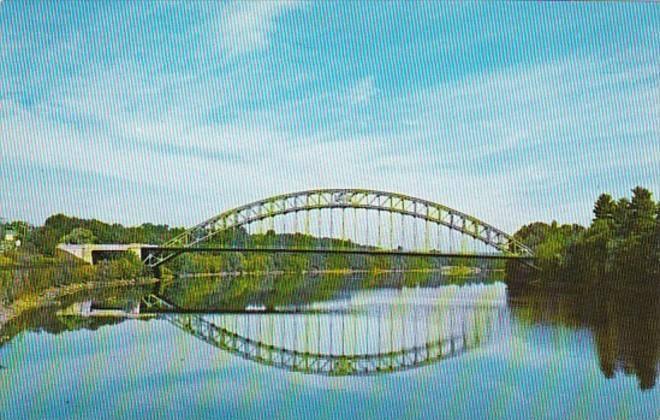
{"points": [[625, 325], [45, 318]]}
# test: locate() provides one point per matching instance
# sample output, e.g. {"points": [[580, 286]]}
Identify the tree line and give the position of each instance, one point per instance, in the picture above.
{"points": [[621, 246], [36, 265], [60, 228], [43, 240]]}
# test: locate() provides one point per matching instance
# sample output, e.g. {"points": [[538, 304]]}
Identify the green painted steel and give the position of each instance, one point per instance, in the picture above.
{"points": [[307, 201]]}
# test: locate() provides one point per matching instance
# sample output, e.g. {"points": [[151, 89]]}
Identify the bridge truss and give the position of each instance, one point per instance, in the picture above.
{"points": [[347, 219]]}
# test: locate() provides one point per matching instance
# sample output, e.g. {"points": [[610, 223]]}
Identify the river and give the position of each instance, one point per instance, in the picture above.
{"points": [[391, 345]]}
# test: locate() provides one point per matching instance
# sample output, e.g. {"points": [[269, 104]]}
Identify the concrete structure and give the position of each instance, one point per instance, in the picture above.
{"points": [[92, 253]]}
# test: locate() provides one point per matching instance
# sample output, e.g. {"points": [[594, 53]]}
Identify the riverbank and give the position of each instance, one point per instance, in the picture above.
{"points": [[51, 295]]}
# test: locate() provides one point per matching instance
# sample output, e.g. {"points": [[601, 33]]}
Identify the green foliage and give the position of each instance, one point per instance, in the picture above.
{"points": [[604, 208], [127, 267], [587, 257], [44, 241], [643, 212], [622, 222], [59, 227], [79, 236], [549, 242], [23, 272], [266, 262], [621, 247]]}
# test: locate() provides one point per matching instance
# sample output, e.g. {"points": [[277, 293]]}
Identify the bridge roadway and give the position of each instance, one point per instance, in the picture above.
{"points": [[91, 253], [373, 252]]}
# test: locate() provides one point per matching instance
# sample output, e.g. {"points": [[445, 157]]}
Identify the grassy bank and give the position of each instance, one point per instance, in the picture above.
{"points": [[24, 274]]}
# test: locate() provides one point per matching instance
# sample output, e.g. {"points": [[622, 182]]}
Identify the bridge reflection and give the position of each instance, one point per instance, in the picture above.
{"points": [[378, 332]]}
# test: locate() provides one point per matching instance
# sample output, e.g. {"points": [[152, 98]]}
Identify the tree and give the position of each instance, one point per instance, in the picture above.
{"points": [[45, 240], [550, 244], [642, 211], [588, 256], [79, 236], [604, 208], [622, 217]]}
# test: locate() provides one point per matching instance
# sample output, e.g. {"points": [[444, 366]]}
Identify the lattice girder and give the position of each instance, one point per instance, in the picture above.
{"points": [[382, 201]]}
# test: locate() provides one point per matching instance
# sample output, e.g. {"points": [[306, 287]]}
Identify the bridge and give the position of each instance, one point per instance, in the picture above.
{"points": [[338, 221], [344, 221], [92, 253]]}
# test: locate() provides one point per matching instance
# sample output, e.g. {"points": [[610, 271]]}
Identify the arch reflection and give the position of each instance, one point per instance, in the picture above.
{"points": [[379, 332]]}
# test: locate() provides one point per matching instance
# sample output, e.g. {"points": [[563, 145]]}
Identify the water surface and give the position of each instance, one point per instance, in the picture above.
{"points": [[336, 346]]}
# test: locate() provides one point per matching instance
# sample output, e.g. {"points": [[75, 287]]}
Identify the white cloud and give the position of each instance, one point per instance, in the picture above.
{"points": [[150, 128], [362, 91], [248, 26]]}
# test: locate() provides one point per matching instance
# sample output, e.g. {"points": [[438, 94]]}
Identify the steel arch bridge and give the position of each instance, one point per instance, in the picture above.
{"points": [[383, 223], [473, 329]]}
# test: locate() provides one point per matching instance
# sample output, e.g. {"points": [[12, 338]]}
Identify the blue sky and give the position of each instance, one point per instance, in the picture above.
{"points": [[172, 112]]}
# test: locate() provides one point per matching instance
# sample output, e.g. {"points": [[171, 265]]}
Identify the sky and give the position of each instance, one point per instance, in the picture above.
{"points": [[173, 112]]}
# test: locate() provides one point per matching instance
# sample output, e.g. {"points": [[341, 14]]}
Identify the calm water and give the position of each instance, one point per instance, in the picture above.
{"points": [[323, 346]]}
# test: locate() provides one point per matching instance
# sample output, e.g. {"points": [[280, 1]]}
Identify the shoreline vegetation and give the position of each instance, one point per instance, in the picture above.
{"points": [[620, 249], [448, 271], [40, 297], [37, 264], [24, 274]]}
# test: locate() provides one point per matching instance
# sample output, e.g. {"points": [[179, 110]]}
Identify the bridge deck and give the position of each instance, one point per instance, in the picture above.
{"points": [[373, 252]]}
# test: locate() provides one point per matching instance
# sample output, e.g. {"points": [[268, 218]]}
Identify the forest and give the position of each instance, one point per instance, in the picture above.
{"points": [[621, 246]]}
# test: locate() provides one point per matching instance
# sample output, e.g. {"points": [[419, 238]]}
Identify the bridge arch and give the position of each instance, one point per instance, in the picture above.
{"points": [[370, 200]]}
